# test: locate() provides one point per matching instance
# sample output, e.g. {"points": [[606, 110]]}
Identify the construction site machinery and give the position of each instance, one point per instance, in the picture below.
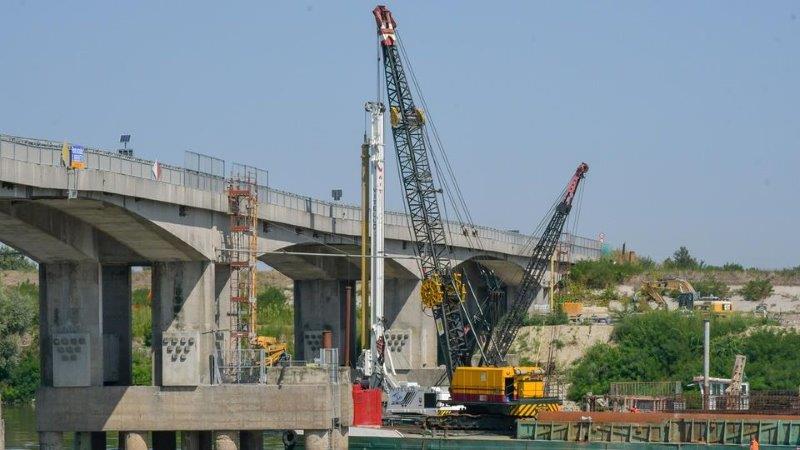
{"points": [[653, 291], [442, 290], [687, 297], [506, 330], [274, 351], [494, 388]]}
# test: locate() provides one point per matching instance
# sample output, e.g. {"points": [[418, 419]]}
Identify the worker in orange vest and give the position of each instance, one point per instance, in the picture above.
{"points": [[753, 443]]}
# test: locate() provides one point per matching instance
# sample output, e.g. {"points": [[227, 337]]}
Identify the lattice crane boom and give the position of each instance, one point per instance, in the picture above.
{"points": [[508, 326], [441, 290]]}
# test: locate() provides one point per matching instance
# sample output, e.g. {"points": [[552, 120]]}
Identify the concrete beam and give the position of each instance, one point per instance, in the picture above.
{"points": [[153, 242], [222, 407]]}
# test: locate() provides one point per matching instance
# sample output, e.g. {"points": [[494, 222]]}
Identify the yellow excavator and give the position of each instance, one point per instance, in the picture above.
{"points": [[688, 298], [273, 349]]}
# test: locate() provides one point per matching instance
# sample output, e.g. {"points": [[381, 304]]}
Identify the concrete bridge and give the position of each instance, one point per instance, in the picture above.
{"points": [[88, 227]]}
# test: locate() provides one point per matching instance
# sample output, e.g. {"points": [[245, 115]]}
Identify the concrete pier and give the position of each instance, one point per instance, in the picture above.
{"points": [[226, 440], [134, 440], [51, 440], [326, 439]]}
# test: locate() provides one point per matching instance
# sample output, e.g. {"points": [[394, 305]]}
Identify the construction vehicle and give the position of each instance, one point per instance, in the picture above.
{"points": [[653, 291], [274, 351], [495, 389], [687, 298]]}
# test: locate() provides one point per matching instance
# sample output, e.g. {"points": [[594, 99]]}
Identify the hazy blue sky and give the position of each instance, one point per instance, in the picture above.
{"points": [[687, 112]]}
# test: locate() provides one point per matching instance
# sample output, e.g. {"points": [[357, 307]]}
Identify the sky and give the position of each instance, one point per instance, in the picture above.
{"points": [[686, 112]]}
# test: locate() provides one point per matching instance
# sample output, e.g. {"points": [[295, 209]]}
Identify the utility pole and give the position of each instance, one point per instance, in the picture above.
{"points": [[376, 181]]}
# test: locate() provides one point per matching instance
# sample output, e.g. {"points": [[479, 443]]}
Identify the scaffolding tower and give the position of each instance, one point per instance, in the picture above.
{"points": [[242, 249]]}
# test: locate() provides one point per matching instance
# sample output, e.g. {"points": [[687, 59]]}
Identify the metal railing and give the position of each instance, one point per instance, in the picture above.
{"points": [[207, 173], [645, 389], [247, 366]]}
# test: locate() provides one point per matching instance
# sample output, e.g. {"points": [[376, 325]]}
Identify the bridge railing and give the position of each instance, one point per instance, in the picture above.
{"points": [[207, 173]]}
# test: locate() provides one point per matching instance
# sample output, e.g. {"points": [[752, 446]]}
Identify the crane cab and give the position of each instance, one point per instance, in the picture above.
{"points": [[513, 391]]}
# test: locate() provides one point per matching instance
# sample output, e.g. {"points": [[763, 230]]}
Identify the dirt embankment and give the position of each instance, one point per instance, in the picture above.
{"points": [[737, 277], [15, 277], [569, 342]]}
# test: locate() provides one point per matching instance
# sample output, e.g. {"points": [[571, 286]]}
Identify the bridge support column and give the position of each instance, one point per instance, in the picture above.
{"points": [[326, 439], [133, 440], [226, 440], [320, 305], [51, 440], [403, 312], [183, 301], [70, 300]]}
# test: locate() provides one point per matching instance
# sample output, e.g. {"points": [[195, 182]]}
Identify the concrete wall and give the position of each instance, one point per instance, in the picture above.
{"points": [[294, 398]]}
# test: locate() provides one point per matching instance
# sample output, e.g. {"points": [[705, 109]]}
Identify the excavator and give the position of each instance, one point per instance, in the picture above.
{"points": [[687, 298], [494, 390]]}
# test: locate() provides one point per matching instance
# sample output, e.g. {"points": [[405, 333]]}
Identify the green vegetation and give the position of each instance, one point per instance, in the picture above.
{"points": [[603, 273], [756, 290], [19, 342], [710, 285], [682, 260], [667, 345], [142, 331], [275, 315], [11, 259], [557, 317], [142, 366]]}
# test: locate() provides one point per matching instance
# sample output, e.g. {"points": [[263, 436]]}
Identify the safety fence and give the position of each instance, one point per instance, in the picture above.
{"points": [[208, 173], [251, 366], [687, 430], [665, 399]]}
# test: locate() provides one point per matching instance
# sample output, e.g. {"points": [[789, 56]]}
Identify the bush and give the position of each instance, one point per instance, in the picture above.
{"points": [[667, 345], [142, 324], [19, 356], [732, 267], [756, 290], [602, 273], [142, 367], [556, 317], [711, 286], [275, 316]]}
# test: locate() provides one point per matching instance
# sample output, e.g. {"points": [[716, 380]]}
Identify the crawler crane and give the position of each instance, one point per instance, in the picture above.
{"points": [[495, 390]]}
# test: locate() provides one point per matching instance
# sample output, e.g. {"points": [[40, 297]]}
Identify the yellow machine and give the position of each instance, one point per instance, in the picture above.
{"points": [[653, 291], [274, 350], [688, 298], [714, 306], [510, 391]]}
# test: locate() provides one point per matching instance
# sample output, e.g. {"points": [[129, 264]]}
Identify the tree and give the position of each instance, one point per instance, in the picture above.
{"points": [[755, 290], [11, 259], [682, 259], [19, 358]]}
